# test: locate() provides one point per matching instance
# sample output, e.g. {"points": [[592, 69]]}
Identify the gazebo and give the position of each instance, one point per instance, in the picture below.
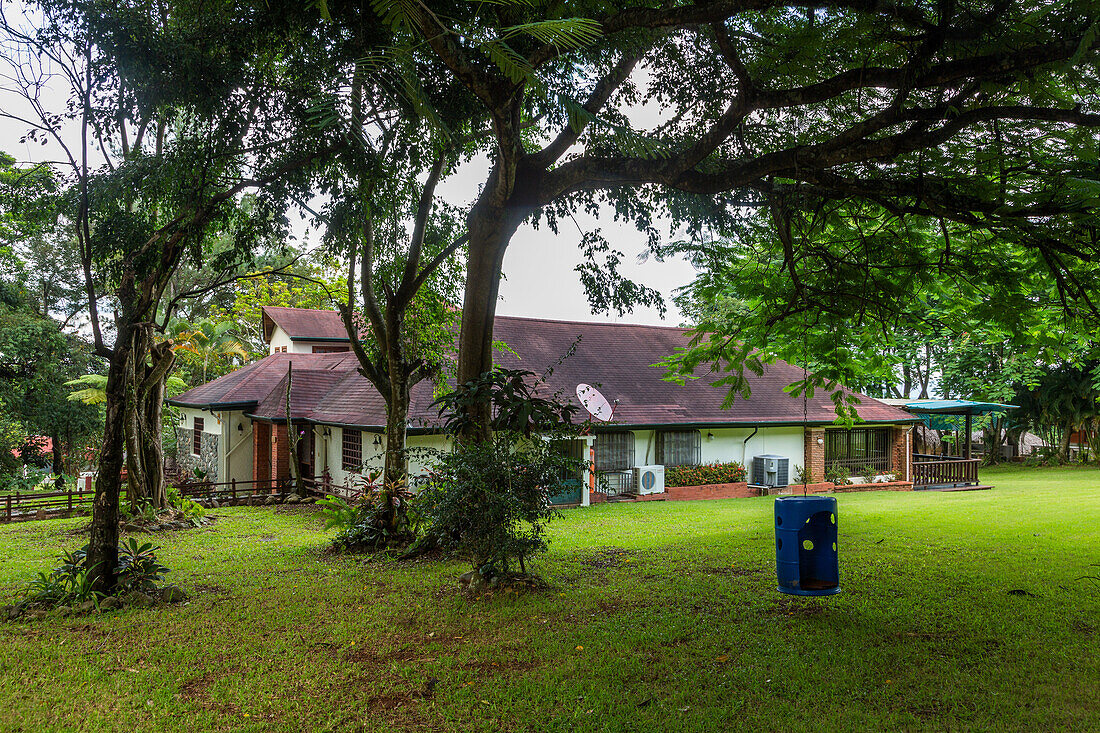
{"points": [[948, 472]]}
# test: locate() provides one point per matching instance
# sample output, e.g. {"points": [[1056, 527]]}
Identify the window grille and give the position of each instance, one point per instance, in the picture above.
{"points": [[615, 451], [679, 448], [196, 436], [858, 448], [352, 450]]}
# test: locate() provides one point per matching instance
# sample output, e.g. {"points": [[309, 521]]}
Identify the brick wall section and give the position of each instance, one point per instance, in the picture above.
{"points": [[742, 491], [261, 454], [899, 457], [814, 453], [280, 456]]}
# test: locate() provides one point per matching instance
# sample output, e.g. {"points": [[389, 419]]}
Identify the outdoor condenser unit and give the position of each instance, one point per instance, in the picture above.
{"points": [[771, 470], [649, 479]]}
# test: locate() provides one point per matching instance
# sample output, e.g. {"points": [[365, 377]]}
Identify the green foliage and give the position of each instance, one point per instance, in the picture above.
{"points": [[191, 510], [803, 475], [707, 473], [65, 585], [838, 475], [490, 500], [337, 513], [138, 566], [513, 398]]}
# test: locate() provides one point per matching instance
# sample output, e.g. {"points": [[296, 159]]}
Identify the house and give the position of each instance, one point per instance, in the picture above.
{"points": [[235, 427]]}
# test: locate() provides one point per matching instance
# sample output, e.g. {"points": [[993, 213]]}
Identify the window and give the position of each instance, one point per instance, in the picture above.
{"points": [[679, 447], [353, 450], [858, 448], [196, 436], [615, 451]]}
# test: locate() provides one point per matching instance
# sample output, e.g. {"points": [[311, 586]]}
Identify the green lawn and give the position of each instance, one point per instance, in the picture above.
{"points": [[662, 616]]}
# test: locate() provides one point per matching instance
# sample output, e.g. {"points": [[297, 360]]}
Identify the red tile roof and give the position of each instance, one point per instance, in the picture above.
{"points": [[304, 324], [618, 359]]}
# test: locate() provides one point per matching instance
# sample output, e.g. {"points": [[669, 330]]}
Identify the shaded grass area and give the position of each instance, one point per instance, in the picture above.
{"points": [[661, 616]]}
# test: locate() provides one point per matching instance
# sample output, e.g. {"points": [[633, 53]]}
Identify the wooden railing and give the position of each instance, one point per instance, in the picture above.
{"points": [[945, 470], [236, 492], [41, 504]]}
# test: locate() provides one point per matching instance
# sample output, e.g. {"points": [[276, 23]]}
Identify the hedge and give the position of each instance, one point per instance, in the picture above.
{"points": [[708, 473]]}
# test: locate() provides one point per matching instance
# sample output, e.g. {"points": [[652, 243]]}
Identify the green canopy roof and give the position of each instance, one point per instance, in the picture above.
{"points": [[934, 412]]}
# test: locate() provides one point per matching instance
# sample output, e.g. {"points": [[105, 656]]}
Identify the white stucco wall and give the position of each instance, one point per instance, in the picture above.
{"points": [[279, 338], [728, 444], [211, 420]]}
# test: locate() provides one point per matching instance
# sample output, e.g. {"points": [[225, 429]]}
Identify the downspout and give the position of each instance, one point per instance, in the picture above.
{"points": [[745, 447]]}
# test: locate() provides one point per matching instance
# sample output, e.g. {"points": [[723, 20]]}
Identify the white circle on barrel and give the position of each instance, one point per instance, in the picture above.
{"points": [[596, 404]]}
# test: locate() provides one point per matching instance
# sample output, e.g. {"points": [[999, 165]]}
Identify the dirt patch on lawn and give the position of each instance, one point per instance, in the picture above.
{"points": [[374, 657], [603, 558], [799, 607], [734, 571]]}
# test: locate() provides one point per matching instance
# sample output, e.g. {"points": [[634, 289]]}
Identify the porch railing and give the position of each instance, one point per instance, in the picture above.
{"points": [[932, 470]]}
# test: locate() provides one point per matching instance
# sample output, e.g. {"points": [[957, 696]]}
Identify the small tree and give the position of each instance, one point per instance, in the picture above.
{"points": [[490, 498]]}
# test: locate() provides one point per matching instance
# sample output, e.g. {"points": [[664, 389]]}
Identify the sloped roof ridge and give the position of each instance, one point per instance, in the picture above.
{"points": [[593, 323]]}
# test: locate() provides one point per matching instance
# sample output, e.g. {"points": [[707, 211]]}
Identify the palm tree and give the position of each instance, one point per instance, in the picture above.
{"points": [[208, 341]]}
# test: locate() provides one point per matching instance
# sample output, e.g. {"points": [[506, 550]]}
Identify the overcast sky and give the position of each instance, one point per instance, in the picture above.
{"points": [[540, 280]]}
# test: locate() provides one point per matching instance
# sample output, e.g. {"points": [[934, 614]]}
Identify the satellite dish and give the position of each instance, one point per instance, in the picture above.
{"points": [[596, 404]]}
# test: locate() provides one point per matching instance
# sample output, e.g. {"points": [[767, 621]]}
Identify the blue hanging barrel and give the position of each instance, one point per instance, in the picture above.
{"points": [[805, 545]]}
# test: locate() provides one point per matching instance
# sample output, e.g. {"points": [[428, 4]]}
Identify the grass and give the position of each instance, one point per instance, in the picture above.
{"points": [[662, 616]]}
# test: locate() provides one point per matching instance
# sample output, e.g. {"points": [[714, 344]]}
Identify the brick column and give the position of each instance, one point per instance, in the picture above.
{"points": [[814, 453], [899, 455], [261, 454], [280, 455]]}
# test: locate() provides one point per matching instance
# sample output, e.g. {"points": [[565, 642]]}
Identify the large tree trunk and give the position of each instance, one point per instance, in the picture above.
{"points": [[151, 445], [102, 559], [395, 472], [490, 232]]}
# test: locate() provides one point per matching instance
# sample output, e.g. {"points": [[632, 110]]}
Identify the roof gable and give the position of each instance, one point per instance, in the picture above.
{"points": [[303, 324]]}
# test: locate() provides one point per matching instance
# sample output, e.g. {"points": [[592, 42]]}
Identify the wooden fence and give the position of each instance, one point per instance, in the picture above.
{"points": [[43, 504], [21, 506], [945, 471]]}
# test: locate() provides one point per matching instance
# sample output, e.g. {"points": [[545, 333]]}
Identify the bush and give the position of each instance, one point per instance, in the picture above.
{"points": [[838, 475], [368, 525], [139, 572], [708, 473], [803, 475], [138, 567], [191, 510], [491, 500]]}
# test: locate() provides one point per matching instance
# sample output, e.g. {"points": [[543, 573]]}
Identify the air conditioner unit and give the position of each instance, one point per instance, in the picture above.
{"points": [[649, 479], [771, 470]]}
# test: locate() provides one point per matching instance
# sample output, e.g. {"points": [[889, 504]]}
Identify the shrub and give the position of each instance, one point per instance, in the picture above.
{"points": [[803, 475], [708, 473], [66, 584], [191, 510], [838, 475], [138, 567], [368, 524], [491, 500]]}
